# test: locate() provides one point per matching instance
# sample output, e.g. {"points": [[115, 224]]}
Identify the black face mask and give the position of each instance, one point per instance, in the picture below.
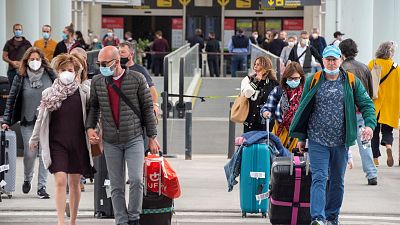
{"points": [[123, 62]]}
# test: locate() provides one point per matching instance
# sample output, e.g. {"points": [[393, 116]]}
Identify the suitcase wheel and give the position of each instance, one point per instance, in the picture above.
{"points": [[9, 196], [67, 212], [244, 215], [264, 215]]}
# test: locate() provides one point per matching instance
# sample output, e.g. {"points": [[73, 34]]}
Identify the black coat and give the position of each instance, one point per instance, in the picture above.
{"points": [[196, 40], [62, 48], [310, 51]]}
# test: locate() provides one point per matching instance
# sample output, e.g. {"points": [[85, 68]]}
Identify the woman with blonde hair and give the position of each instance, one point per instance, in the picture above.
{"points": [[60, 129], [34, 76], [387, 105], [283, 102], [256, 88]]}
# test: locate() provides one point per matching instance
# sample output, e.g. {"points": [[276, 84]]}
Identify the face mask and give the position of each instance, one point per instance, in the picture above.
{"points": [[106, 71], [110, 34], [255, 36], [293, 83], [67, 77], [124, 61], [291, 43], [315, 36], [304, 42], [35, 65], [332, 72], [18, 33], [46, 36], [64, 36]]}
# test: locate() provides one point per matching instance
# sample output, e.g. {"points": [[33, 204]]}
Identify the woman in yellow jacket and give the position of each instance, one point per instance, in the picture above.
{"points": [[387, 105]]}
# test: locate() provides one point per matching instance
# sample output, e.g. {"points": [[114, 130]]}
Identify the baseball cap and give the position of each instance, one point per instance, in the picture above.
{"points": [[337, 33], [333, 51]]}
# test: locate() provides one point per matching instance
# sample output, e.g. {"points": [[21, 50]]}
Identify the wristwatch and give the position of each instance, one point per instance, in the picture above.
{"points": [[153, 136]]}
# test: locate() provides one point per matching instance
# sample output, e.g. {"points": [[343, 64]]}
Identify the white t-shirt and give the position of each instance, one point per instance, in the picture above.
{"points": [[300, 51]]}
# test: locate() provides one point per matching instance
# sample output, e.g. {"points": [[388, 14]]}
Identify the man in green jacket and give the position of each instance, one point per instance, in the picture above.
{"points": [[327, 118]]}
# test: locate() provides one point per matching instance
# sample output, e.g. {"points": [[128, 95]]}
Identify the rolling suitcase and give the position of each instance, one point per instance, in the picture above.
{"points": [[156, 208], [254, 178], [8, 162], [103, 207], [4, 91], [290, 191]]}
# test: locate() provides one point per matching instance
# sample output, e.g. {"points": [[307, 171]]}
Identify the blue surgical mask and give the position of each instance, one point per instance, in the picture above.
{"points": [[64, 36], [18, 33], [293, 83], [107, 71], [46, 35], [331, 72]]}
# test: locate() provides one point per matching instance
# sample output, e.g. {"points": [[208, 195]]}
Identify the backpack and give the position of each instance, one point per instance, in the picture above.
{"points": [[351, 78]]}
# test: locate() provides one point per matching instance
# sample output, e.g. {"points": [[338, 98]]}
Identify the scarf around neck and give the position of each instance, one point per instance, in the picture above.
{"points": [[292, 98], [35, 77], [59, 93]]}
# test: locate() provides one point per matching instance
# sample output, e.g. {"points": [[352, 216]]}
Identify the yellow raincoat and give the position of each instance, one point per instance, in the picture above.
{"points": [[388, 102]]}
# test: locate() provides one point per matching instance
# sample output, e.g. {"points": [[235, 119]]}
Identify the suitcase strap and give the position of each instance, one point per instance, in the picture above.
{"points": [[296, 197], [156, 211]]}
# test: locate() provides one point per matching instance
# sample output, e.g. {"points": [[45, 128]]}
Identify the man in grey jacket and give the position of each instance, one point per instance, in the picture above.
{"points": [[122, 130], [349, 51]]}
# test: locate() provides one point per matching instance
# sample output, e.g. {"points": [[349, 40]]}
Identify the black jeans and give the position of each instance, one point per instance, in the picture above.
{"points": [[11, 74], [213, 66], [387, 138], [158, 64]]}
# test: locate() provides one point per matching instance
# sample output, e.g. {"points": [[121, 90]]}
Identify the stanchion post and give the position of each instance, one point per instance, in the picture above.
{"points": [[188, 131], [165, 122], [231, 136]]}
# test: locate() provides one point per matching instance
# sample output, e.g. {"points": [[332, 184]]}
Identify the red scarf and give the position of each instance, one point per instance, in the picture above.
{"points": [[293, 96]]}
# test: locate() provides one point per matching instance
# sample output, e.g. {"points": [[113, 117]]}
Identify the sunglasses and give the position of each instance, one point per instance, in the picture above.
{"points": [[104, 63]]}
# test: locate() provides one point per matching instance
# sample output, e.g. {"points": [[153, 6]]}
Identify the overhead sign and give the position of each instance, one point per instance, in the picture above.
{"points": [[243, 4], [184, 2], [223, 2], [164, 3], [272, 4], [293, 24]]}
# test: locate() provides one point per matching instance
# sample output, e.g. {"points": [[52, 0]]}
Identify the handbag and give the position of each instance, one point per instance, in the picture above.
{"points": [[97, 149], [240, 109], [376, 78]]}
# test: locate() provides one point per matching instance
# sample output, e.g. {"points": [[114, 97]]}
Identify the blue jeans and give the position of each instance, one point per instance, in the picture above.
{"points": [[366, 154], [327, 162], [239, 63], [117, 156]]}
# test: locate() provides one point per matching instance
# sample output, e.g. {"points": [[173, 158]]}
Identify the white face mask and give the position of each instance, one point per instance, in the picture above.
{"points": [[35, 65], [291, 43], [304, 42], [315, 35], [66, 77]]}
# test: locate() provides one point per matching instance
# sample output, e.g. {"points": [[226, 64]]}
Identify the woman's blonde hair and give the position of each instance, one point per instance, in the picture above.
{"points": [[24, 61], [386, 50], [64, 59], [268, 70], [83, 70]]}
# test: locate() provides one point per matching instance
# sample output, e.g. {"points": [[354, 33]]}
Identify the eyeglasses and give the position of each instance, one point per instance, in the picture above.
{"points": [[104, 63], [294, 78]]}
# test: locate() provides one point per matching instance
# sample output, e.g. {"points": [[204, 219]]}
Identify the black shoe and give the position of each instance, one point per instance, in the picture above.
{"points": [[317, 222], [373, 181], [133, 222], [42, 194], [26, 187]]}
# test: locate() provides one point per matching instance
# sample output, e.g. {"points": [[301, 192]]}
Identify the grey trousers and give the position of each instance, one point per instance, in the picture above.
{"points": [[30, 159], [116, 154]]}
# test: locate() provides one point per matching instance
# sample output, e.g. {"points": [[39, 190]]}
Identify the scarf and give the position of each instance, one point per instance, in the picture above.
{"points": [[292, 99], [59, 93], [35, 77]]}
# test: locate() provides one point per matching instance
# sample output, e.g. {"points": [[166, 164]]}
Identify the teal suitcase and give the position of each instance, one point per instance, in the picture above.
{"points": [[254, 179]]}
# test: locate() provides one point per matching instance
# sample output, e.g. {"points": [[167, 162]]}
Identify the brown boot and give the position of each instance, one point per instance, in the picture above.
{"points": [[390, 160], [376, 162]]}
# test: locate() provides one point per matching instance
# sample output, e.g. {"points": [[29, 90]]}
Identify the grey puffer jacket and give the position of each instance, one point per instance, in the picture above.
{"points": [[135, 87]]}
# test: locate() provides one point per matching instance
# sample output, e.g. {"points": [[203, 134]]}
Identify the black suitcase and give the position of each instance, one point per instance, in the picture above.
{"points": [[4, 91], [156, 210], [290, 191], [102, 192]]}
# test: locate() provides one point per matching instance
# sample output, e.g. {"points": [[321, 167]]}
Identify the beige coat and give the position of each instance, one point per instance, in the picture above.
{"points": [[41, 131]]}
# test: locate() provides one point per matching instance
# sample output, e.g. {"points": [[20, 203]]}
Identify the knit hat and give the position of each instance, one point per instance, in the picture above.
{"points": [[333, 51]]}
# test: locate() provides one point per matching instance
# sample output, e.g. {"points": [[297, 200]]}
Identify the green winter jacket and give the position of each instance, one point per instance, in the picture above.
{"points": [[354, 96]]}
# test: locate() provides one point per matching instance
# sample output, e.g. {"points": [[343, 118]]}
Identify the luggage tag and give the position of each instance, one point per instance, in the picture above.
{"points": [[108, 188], [4, 168], [257, 175]]}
